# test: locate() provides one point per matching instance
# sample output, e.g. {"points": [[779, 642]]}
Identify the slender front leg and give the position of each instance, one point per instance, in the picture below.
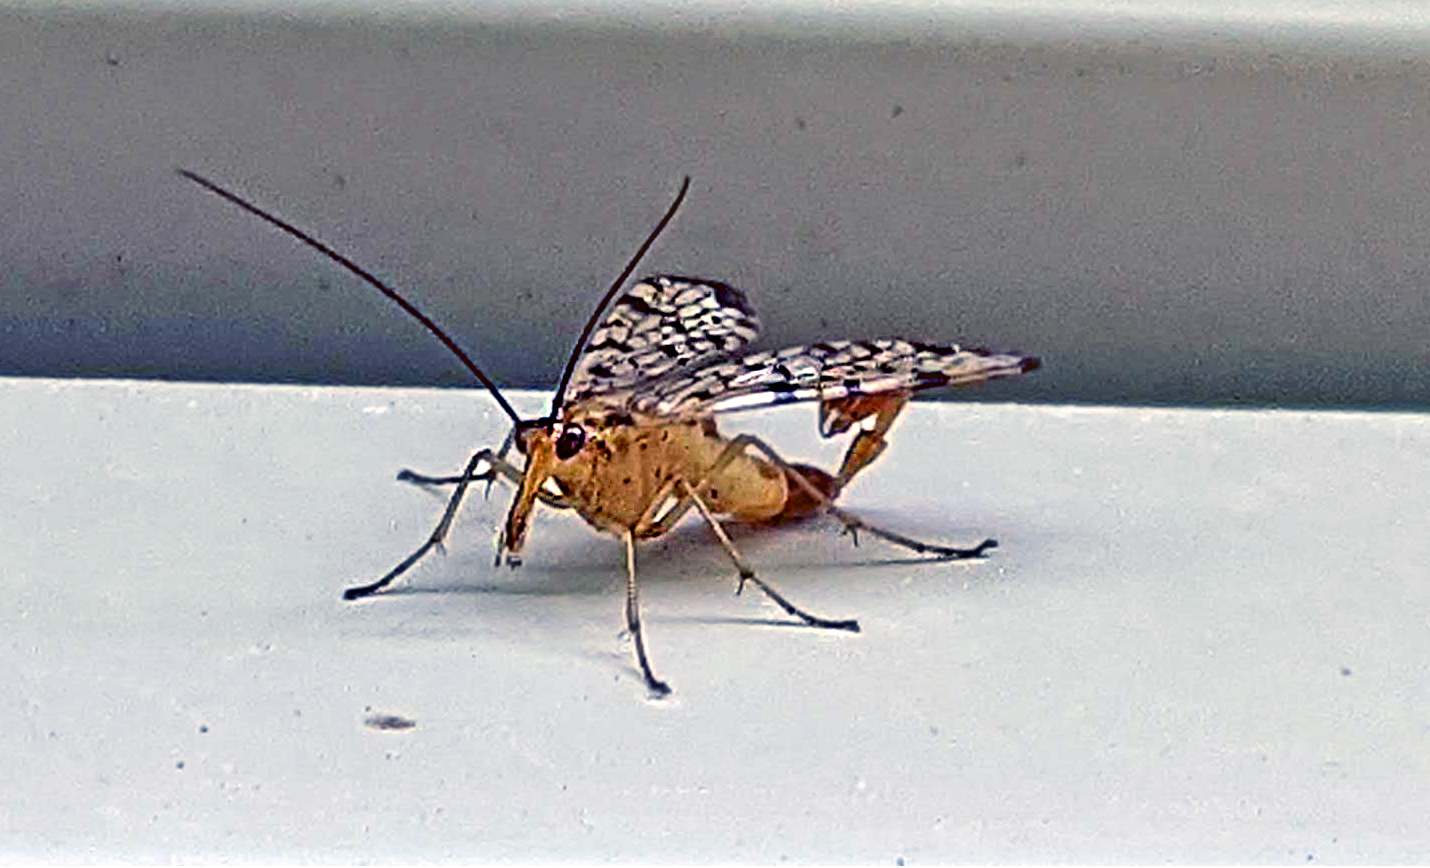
{"points": [[499, 467], [434, 541], [633, 618], [747, 573]]}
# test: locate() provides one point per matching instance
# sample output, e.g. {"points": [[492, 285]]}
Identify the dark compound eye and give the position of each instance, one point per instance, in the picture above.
{"points": [[572, 438]]}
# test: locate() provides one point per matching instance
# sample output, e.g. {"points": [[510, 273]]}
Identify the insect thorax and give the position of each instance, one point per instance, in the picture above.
{"points": [[629, 461]]}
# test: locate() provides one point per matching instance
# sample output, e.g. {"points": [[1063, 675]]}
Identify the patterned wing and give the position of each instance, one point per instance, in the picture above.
{"points": [[662, 324], [826, 372]]}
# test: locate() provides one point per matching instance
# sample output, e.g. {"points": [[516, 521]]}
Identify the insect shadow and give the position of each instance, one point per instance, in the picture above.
{"points": [[631, 442]]}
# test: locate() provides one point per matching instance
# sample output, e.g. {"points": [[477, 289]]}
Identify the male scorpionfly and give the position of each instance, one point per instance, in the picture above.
{"points": [[631, 443]]}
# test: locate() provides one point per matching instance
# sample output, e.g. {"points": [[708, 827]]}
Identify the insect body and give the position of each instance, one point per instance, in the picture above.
{"points": [[632, 443]]}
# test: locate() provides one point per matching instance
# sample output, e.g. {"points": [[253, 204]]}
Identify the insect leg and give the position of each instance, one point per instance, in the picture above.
{"points": [[852, 523], [499, 467], [434, 541], [747, 574], [633, 618], [649, 526]]}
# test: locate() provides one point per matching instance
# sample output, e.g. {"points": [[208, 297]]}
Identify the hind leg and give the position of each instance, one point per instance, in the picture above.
{"points": [[812, 491]]}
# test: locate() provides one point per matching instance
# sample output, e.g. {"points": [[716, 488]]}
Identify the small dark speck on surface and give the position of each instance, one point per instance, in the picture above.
{"points": [[1345, 671], [179, 765], [388, 722], [896, 111], [203, 727], [799, 123]]}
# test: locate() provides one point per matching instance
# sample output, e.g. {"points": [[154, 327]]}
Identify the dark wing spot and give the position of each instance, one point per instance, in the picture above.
{"points": [[729, 296], [638, 304]]}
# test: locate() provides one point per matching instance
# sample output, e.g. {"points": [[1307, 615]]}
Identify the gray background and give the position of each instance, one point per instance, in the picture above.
{"points": [[1193, 214]]}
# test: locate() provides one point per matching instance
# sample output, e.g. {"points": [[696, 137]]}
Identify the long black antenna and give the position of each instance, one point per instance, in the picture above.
{"points": [[610, 294], [365, 275]]}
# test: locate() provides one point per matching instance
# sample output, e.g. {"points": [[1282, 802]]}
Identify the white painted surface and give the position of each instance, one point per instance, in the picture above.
{"points": [[1203, 639]]}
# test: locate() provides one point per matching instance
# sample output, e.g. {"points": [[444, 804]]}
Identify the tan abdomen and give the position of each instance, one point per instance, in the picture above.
{"points": [[638, 461]]}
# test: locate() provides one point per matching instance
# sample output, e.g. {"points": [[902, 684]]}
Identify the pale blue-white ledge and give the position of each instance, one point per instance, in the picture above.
{"points": [[1203, 638]]}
